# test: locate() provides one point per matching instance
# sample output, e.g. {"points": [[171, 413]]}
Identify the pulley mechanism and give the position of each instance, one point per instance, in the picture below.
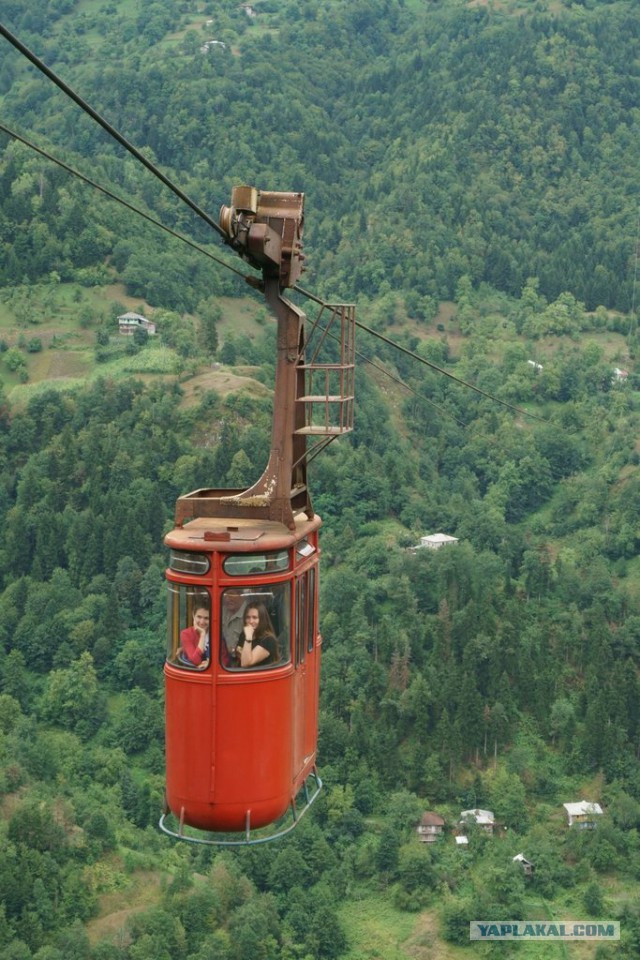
{"points": [[265, 228]]}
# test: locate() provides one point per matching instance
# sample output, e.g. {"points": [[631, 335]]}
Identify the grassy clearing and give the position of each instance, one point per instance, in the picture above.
{"points": [[65, 317], [138, 892], [223, 382], [375, 929], [154, 358], [241, 316], [23, 392]]}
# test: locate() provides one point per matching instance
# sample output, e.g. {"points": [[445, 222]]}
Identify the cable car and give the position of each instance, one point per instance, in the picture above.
{"points": [[243, 653]]}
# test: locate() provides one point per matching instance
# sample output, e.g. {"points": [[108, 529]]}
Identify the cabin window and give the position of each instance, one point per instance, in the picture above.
{"points": [[305, 614], [304, 549], [189, 623], [245, 564], [301, 619], [255, 627], [183, 561], [311, 619]]}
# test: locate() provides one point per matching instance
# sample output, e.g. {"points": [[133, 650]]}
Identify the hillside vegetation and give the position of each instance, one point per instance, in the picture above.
{"points": [[471, 180]]}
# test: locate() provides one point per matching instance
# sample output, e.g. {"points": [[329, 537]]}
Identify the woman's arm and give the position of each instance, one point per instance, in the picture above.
{"points": [[252, 652], [192, 642]]}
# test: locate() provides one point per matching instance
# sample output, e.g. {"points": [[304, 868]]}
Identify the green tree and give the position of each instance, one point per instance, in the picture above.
{"points": [[254, 929], [72, 697], [388, 853], [508, 799], [210, 314], [33, 825], [15, 360], [139, 722], [593, 900], [140, 337], [241, 472], [455, 919], [326, 937], [416, 872]]}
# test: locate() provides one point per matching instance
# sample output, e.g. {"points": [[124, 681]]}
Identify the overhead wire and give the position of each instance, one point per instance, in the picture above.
{"points": [[428, 363], [420, 396], [200, 249], [383, 370], [111, 130], [195, 246], [118, 199], [447, 373], [61, 84]]}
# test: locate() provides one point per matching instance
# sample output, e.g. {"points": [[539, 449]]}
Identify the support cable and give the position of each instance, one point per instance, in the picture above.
{"points": [[179, 236], [121, 200], [48, 72], [427, 363]]}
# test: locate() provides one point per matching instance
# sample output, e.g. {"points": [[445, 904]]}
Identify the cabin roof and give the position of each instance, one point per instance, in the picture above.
{"points": [[480, 816], [244, 535], [582, 808], [430, 819]]}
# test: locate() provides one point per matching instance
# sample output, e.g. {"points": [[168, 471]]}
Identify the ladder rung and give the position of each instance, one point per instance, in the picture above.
{"points": [[321, 431], [324, 398], [320, 367]]}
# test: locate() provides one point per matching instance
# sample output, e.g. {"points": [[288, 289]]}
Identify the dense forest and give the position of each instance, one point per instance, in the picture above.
{"points": [[471, 180], [434, 142]]}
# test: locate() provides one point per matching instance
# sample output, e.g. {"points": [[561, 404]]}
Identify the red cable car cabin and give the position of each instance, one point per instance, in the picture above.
{"points": [[241, 741], [243, 658]]}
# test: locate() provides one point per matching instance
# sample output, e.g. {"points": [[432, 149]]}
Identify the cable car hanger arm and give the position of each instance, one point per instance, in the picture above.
{"points": [[265, 228]]}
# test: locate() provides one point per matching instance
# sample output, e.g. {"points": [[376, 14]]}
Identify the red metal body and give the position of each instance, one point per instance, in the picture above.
{"points": [[241, 743]]}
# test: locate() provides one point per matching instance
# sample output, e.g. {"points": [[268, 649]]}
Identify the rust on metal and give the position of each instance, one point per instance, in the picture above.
{"points": [[265, 228]]}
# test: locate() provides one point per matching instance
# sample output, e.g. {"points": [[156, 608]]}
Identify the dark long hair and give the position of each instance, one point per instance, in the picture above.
{"points": [[265, 626]]}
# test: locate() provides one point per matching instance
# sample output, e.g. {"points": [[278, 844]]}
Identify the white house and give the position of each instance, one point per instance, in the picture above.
{"points": [[128, 323], [484, 818], [619, 376], [435, 540], [583, 814], [209, 44], [536, 366]]}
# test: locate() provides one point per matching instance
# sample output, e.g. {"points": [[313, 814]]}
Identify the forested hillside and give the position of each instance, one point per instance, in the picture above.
{"points": [[471, 181], [434, 141]]}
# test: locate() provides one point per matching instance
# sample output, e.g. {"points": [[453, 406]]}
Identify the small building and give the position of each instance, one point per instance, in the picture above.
{"points": [[435, 540], [536, 366], [527, 866], [461, 840], [583, 815], [430, 827], [619, 376], [210, 44], [483, 818], [128, 323]]}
